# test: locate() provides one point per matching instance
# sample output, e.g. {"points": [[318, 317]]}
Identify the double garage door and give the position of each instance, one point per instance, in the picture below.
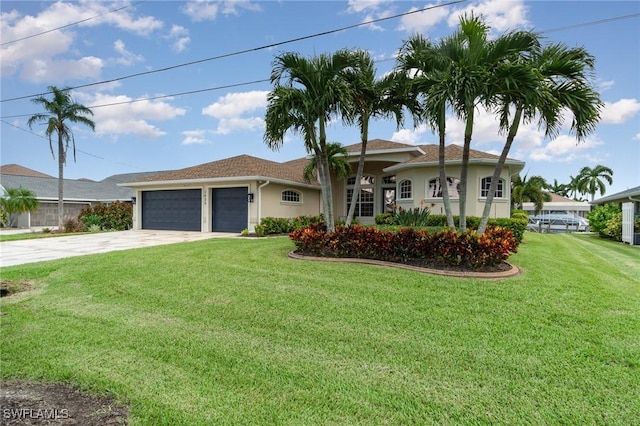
{"points": [[181, 210]]}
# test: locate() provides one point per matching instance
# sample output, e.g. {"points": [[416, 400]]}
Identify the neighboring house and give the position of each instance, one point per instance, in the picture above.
{"points": [[629, 202], [560, 205], [233, 194], [78, 193], [631, 195]]}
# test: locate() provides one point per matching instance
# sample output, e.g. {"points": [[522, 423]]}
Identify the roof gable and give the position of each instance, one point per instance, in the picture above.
{"points": [[18, 170], [239, 167]]}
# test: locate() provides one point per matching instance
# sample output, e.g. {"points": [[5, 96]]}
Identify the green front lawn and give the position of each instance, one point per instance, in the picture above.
{"points": [[231, 331], [34, 235]]}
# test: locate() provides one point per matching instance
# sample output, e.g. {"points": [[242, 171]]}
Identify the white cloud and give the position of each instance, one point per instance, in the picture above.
{"points": [[235, 104], [129, 118], [620, 111], [372, 10], [126, 58], [205, 10], [636, 137], [500, 15], [564, 149], [195, 137], [55, 71], [422, 21], [603, 85], [410, 136], [37, 58], [358, 6], [229, 125], [179, 36], [234, 111]]}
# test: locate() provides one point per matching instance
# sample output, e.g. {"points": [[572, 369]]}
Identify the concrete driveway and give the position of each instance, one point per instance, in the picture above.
{"points": [[41, 249]]}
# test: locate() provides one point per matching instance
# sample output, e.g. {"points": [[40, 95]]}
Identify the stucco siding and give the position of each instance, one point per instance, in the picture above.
{"points": [[274, 206]]}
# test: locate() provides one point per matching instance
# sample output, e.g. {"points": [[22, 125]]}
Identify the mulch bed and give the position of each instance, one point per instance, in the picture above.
{"points": [[501, 270]]}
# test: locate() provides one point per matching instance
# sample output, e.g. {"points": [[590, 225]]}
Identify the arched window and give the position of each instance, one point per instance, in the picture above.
{"points": [[291, 196], [405, 189], [365, 204], [434, 189], [486, 183]]}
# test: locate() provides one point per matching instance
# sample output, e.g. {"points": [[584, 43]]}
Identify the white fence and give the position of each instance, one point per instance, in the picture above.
{"points": [[627, 223]]}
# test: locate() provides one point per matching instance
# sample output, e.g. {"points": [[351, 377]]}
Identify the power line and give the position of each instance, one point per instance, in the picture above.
{"points": [[241, 52], [590, 23], [68, 25], [173, 95], [77, 150]]}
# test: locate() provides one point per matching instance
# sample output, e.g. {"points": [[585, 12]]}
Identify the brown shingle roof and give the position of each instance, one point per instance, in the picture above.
{"points": [[239, 166], [378, 144], [18, 170], [451, 153]]}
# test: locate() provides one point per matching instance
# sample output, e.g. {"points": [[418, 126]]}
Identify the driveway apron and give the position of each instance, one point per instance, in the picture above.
{"points": [[41, 249]]}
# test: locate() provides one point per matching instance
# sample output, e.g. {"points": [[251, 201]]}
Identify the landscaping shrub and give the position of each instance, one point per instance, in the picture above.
{"points": [[516, 225], [409, 245], [519, 214], [281, 225], [416, 216], [613, 230], [72, 224], [116, 216], [600, 216], [384, 219], [92, 220]]}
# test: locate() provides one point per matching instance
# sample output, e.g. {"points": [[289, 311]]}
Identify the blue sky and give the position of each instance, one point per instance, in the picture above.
{"points": [[180, 131]]}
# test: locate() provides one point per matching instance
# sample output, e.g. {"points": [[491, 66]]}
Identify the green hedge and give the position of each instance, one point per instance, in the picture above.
{"points": [[408, 245]]}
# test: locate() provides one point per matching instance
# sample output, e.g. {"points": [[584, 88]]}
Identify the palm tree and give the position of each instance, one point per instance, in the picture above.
{"points": [[307, 93], [424, 67], [541, 85], [559, 188], [475, 62], [370, 98], [589, 180], [529, 190], [338, 164], [61, 110], [17, 201]]}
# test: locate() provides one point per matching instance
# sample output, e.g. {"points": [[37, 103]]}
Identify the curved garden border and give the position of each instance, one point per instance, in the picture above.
{"points": [[514, 271]]}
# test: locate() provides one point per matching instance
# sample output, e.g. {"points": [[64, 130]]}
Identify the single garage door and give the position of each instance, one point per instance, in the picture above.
{"points": [[172, 210], [229, 209]]}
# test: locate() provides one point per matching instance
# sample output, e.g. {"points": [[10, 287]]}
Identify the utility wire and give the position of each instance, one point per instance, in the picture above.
{"points": [[68, 25], [191, 92], [588, 24], [584, 24], [254, 49], [77, 150]]}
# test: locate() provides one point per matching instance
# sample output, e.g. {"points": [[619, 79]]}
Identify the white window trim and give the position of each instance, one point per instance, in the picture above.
{"points": [[399, 196], [426, 190], [504, 189], [291, 202]]}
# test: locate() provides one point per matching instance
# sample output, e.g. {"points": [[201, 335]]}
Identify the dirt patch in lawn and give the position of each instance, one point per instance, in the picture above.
{"points": [[7, 287], [56, 404]]}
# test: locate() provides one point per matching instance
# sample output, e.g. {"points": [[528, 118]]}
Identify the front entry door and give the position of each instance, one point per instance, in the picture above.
{"points": [[388, 200]]}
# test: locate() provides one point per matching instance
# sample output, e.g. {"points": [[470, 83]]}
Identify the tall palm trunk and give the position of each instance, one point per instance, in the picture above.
{"points": [[464, 168], [325, 177], [443, 177], [61, 161], [513, 130], [364, 136]]}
